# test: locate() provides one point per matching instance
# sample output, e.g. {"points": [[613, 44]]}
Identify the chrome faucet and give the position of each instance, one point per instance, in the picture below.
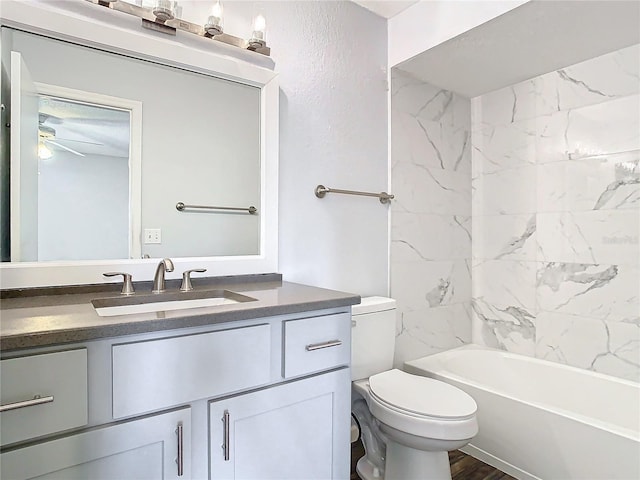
{"points": [[165, 265]]}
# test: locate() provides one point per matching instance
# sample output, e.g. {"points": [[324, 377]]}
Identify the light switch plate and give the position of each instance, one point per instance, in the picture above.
{"points": [[152, 235]]}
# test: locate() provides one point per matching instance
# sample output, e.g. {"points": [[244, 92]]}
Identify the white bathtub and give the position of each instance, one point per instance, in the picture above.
{"points": [[543, 420]]}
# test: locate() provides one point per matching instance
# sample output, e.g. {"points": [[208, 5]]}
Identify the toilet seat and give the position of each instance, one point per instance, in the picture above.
{"points": [[422, 406], [421, 396]]}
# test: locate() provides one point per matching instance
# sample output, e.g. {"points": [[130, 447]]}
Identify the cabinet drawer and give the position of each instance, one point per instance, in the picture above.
{"points": [[317, 343], [161, 373], [58, 379]]}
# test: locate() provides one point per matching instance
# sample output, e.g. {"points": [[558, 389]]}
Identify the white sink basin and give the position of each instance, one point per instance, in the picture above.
{"points": [[109, 307]]}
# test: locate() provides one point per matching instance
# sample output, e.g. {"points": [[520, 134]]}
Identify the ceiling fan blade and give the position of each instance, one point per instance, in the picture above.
{"points": [[46, 117], [80, 141], [65, 148]]}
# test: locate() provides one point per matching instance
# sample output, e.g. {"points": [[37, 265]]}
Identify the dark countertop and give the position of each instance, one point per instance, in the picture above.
{"points": [[57, 316]]}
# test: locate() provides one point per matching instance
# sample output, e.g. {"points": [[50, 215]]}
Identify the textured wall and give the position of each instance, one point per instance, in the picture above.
{"points": [[556, 208], [431, 217], [331, 57]]}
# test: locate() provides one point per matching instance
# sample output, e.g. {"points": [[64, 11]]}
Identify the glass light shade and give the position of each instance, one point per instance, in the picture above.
{"points": [[259, 27], [163, 10], [259, 35], [177, 10], [214, 22]]}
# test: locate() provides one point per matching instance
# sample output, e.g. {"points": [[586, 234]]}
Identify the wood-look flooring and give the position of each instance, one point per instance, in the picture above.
{"points": [[463, 467]]}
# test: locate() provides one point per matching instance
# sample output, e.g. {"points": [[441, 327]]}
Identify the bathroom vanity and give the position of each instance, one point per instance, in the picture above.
{"points": [[256, 389]]}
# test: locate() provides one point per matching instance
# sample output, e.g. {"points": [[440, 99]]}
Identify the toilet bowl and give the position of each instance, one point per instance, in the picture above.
{"points": [[410, 422]]}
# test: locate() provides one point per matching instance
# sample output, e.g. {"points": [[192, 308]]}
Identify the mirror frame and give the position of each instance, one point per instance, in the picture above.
{"points": [[86, 24]]}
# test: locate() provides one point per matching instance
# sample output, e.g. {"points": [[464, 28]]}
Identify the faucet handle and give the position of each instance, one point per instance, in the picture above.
{"points": [[127, 285], [186, 279]]}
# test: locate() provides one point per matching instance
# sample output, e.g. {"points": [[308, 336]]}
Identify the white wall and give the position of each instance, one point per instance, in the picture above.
{"points": [[83, 207], [331, 58], [429, 23]]}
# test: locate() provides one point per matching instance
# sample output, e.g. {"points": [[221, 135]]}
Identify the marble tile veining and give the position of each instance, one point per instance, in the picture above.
{"points": [[598, 236], [430, 237], [556, 216], [505, 192], [420, 189], [604, 128], [607, 292], [431, 330], [594, 81], [603, 182], [419, 285], [505, 237], [499, 147], [592, 344], [431, 217]]}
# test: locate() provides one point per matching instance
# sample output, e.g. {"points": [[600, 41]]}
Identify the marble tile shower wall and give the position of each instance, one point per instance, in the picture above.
{"points": [[556, 209], [431, 218]]}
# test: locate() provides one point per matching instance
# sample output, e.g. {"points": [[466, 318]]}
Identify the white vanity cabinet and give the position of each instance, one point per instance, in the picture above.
{"points": [[287, 432], [42, 394], [152, 448], [274, 391]]}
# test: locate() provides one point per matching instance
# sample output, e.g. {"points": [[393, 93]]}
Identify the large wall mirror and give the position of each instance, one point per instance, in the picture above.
{"points": [[106, 144]]}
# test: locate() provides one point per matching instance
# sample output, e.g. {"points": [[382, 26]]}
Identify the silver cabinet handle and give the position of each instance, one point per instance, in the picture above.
{"points": [[180, 459], [225, 444], [36, 400], [318, 346]]}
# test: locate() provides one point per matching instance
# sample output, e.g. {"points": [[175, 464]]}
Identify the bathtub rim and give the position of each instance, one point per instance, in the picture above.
{"points": [[444, 375]]}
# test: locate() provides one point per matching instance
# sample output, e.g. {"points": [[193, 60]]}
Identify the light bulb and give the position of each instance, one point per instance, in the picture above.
{"points": [[216, 10], [43, 152], [163, 10], [177, 10], [214, 22], [259, 24], [259, 32]]}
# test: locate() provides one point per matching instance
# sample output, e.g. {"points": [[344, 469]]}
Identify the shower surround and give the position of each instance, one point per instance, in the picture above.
{"points": [[431, 217], [554, 184]]}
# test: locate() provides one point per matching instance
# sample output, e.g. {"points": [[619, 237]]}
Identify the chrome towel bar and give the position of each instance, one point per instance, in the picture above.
{"points": [[181, 207], [321, 191]]}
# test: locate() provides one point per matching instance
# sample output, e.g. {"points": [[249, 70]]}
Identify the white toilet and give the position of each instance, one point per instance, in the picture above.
{"points": [[408, 423]]}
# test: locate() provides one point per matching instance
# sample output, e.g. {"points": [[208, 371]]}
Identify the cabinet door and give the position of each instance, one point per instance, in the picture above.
{"points": [[288, 432], [140, 449]]}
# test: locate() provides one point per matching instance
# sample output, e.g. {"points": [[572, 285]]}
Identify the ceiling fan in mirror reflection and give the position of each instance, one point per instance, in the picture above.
{"points": [[79, 128]]}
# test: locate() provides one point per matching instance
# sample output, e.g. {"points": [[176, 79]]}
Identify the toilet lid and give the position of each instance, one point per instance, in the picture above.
{"points": [[422, 395]]}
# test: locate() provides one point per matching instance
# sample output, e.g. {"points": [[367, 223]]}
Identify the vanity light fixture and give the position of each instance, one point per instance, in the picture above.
{"points": [[214, 22], [165, 15]]}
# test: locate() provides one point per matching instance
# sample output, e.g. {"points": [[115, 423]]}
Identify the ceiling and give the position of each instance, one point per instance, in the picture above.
{"points": [[533, 39], [386, 9], [84, 128]]}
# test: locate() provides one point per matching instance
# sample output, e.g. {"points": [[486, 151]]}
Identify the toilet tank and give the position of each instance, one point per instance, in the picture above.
{"points": [[373, 336]]}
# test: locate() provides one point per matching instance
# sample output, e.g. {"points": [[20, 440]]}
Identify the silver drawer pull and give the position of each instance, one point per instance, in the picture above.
{"points": [[318, 346], [180, 459], [36, 400], [225, 435]]}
